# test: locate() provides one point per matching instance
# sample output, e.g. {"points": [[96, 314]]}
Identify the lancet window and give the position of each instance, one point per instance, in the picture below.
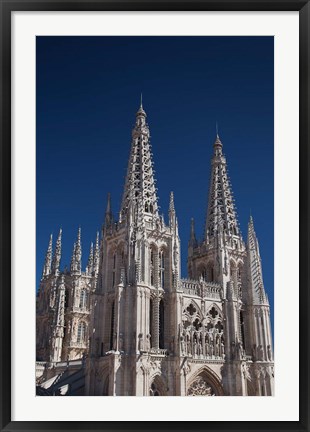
{"points": [[161, 323], [81, 332], [162, 268], [112, 325], [114, 270], [152, 265], [83, 299]]}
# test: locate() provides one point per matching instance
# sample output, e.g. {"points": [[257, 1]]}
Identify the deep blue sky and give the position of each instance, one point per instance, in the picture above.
{"points": [[88, 91]]}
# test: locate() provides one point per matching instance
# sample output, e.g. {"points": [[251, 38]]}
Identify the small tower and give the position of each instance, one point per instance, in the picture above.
{"points": [[76, 261], [57, 255], [47, 269], [90, 263], [58, 323], [134, 314], [258, 318]]}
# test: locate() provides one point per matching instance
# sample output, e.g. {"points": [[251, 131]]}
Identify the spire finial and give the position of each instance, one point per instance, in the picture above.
{"points": [[171, 204], [108, 213], [141, 105], [48, 258], [57, 254], [217, 130], [192, 237], [96, 255]]}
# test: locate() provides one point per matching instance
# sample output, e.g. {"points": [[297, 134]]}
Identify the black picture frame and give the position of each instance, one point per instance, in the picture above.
{"points": [[6, 8]]}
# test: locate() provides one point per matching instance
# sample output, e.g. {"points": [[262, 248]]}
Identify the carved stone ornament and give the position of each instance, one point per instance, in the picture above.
{"points": [[200, 388]]}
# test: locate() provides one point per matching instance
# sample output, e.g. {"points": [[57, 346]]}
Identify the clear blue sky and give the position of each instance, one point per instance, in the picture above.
{"points": [[88, 91]]}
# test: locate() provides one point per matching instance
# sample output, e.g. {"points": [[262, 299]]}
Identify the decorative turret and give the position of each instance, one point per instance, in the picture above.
{"points": [[258, 293], [108, 220], [59, 322], [96, 255], [48, 259], [90, 263], [172, 217], [77, 255], [57, 255], [140, 191], [192, 239], [221, 214]]}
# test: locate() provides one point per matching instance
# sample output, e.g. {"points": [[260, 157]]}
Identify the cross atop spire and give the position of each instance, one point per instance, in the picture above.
{"points": [[141, 110]]}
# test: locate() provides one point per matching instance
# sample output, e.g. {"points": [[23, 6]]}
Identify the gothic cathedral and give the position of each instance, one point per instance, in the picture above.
{"points": [[129, 325]]}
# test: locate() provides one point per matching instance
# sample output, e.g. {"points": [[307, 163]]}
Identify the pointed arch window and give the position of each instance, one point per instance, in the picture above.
{"points": [[81, 332], [203, 273], [114, 270], [152, 266], [83, 299], [112, 326], [162, 268], [161, 323]]}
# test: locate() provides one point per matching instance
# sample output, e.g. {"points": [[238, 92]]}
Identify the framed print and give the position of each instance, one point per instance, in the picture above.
{"points": [[132, 270]]}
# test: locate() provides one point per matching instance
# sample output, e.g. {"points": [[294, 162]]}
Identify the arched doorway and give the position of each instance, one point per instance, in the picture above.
{"points": [[158, 387]]}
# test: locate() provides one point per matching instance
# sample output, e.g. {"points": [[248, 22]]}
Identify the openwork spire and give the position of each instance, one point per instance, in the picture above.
{"points": [[140, 191], [57, 254], [96, 255], [48, 258], [171, 203], [192, 238], [221, 214], [76, 261], [90, 263], [108, 213], [255, 267]]}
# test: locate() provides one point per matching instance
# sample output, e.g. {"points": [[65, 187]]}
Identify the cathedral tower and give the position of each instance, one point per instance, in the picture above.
{"points": [[139, 271]]}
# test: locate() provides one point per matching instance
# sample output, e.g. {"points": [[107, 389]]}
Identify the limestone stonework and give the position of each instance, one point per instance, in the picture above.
{"points": [[141, 329]]}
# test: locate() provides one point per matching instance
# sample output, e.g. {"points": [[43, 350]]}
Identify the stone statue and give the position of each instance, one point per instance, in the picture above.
{"points": [[261, 353], [199, 348], [140, 343], [269, 353], [195, 348], [182, 345], [148, 342], [254, 352]]}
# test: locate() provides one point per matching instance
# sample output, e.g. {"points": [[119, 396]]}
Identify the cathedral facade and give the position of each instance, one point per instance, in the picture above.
{"points": [[140, 328]]}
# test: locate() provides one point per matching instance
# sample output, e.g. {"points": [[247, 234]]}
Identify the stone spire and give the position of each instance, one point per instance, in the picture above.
{"points": [[172, 217], [255, 268], [221, 214], [108, 213], [90, 263], [57, 254], [59, 323], [48, 259], [96, 255], [76, 262], [140, 190], [192, 239]]}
